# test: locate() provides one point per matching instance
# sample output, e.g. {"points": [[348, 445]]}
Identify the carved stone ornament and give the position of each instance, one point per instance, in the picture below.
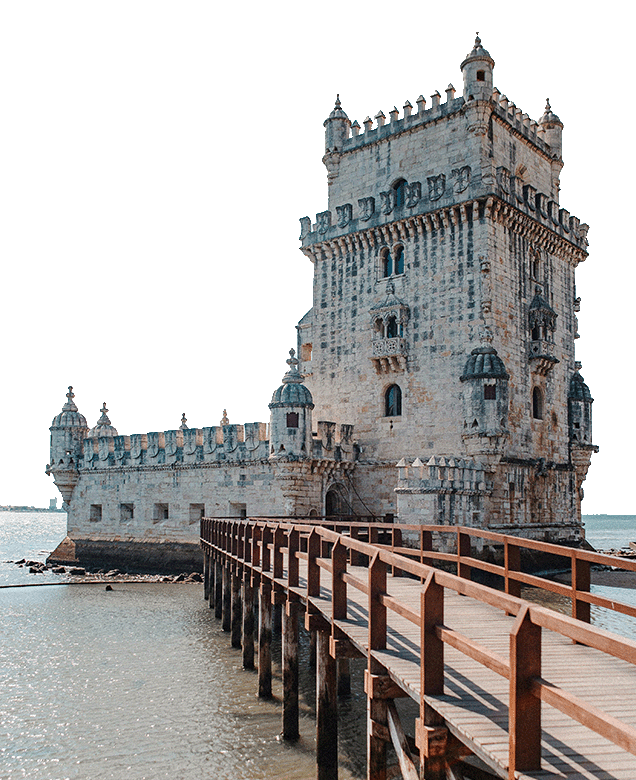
{"points": [[436, 186], [412, 193], [367, 208], [462, 178], [388, 201], [503, 179], [345, 214], [323, 221]]}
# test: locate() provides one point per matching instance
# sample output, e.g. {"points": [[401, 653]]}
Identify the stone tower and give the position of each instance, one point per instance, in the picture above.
{"points": [[443, 321]]}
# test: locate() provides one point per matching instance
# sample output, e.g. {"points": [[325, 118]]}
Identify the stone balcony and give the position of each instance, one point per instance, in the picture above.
{"points": [[389, 354], [541, 356]]}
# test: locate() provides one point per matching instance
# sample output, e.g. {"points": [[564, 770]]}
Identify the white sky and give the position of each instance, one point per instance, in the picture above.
{"points": [[156, 157]]}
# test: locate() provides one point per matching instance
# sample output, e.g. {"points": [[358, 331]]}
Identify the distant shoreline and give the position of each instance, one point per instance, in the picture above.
{"points": [[29, 509]]}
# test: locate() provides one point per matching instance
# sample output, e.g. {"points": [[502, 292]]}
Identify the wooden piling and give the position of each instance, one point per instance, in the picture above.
{"points": [[248, 623], [344, 677], [326, 711], [237, 610], [218, 590], [290, 671], [226, 617], [265, 641]]}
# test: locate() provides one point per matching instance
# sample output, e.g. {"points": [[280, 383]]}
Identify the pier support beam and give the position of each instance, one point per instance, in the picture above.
{"points": [[344, 677], [218, 591], [290, 670], [206, 574], [248, 623], [227, 600], [265, 641], [237, 611], [326, 710]]}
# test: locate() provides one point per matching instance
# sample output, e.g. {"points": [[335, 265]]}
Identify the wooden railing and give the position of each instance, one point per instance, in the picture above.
{"points": [[265, 546]]}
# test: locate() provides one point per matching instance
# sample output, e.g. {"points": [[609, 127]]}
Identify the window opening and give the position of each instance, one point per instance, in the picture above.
{"points": [[399, 188], [393, 401], [292, 419], [197, 511], [160, 513], [96, 513], [126, 512], [481, 75], [490, 392], [387, 263], [391, 328], [399, 260], [537, 404]]}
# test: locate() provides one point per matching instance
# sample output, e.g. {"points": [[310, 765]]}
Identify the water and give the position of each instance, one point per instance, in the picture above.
{"points": [[141, 683]]}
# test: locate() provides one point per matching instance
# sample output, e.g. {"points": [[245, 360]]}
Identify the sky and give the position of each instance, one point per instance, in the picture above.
{"points": [[155, 158]]}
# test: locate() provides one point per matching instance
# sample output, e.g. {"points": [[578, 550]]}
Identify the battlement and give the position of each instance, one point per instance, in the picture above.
{"points": [[442, 474], [214, 444]]}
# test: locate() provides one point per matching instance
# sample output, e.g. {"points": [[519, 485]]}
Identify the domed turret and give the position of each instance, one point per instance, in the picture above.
{"points": [[68, 430], [337, 127], [103, 427], [553, 128], [477, 71], [290, 418], [485, 400], [579, 410]]}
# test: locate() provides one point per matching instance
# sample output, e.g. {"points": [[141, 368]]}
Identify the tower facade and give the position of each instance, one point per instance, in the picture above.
{"points": [[443, 321]]}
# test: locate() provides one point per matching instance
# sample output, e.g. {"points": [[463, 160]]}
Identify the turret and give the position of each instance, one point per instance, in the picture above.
{"points": [[290, 418], [68, 430], [100, 440], [337, 127], [579, 410], [103, 427], [553, 129], [485, 401], [477, 71]]}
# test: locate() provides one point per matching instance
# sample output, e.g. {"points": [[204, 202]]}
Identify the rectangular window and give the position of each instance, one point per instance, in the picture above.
{"points": [[292, 419], [197, 511], [126, 512], [160, 513], [490, 392], [238, 510], [305, 352], [96, 513]]}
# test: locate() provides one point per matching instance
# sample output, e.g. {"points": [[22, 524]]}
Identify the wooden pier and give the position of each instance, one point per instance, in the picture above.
{"points": [[530, 692]]}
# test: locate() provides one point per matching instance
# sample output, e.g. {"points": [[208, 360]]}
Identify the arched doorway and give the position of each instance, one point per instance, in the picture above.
{"points": [[336, 501]]}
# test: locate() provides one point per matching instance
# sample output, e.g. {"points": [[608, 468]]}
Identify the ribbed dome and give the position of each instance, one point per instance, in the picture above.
{"points": [[478, 53], [337, 112], [103, 427], [579, 391], [484, 363], [292, 392], [549, 117], [70, 416]]}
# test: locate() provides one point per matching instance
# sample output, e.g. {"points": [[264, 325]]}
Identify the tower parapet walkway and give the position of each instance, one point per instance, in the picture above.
{"points": [[528, 691]]}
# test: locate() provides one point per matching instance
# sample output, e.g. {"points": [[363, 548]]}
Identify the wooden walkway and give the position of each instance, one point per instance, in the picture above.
{"points": [[493, 676]]}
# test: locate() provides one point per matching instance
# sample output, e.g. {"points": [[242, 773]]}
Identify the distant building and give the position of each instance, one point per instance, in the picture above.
{"points": [[53, 504], [438, 357]]}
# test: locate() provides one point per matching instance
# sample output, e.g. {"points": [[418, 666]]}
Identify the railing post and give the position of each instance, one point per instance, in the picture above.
{"points": [[279, 543], [293, 546], [430, 737], [396, 543], [580, 582], [463, 551], [524, 715], [265, 551], [226, 617], [338, 585], [313, 570], [237, 611], [206, 572], [512, 563], [376, 707], [426, 545], [354, 555]]}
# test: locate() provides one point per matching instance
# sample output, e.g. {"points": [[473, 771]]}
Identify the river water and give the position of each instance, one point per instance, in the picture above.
{"points": [[141, 682]]}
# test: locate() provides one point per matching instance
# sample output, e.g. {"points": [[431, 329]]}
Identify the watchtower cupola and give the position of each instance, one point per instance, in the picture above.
{"points": [[477, 71], [290, 418], [68, 430], [553, 128], [337, 128]]}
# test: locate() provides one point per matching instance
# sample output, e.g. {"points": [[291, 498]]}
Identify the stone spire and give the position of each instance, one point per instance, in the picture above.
{"points": [[184, 423], [70, 406], [103, 427], [337, 127], [477, 70], [225, 420], [293, 375]]}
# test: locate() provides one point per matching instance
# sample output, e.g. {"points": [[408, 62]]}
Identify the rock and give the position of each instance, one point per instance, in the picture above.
{"points": [[77, 570], [21, 562], [180, 578], [35, 570], [113, 573], [108, 587], [195, 577], [59, 570], [166, 579]]}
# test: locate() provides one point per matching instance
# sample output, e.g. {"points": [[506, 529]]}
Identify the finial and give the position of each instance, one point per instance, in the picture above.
{"points": [[69, 406], [184, 423], [477, 40], [103, 420], [292, 361], [224, 419], [70, 395], [548, 107], [338, 103]]}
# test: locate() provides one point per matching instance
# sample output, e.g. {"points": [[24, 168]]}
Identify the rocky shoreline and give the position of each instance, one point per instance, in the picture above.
{"points": [[82, 574]]}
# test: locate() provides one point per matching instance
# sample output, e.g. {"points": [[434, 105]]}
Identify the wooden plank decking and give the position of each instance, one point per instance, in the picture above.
{"points": [[475, 701]]}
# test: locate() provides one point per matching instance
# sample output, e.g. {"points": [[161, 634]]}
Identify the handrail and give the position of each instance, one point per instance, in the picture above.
{"points": [[263, 551]]}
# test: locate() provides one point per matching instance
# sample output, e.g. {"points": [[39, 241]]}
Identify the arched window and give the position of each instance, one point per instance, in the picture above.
{"points": [[393, 401], [387, 263], [537, 404], [535, 267], [399, 260], [391, 328], [399, 188], [378, 326]]}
